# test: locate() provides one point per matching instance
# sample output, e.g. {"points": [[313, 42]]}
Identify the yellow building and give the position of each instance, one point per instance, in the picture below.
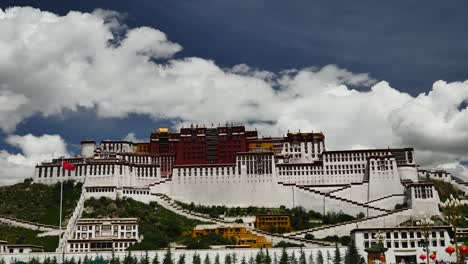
{"points": [[237, 232], [273, 222], [261, 145], [142, 147]]}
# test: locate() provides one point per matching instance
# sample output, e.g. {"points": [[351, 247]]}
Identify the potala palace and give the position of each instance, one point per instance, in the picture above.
{"points": [[234, 167]]}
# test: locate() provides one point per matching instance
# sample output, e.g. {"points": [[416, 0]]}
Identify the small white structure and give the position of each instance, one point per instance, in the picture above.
{"points": [[3, 246], [402, 243], [18, 249], [108, 234]]}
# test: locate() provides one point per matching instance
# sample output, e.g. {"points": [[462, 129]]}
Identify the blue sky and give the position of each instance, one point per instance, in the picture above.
{"points": [[409, 44]]}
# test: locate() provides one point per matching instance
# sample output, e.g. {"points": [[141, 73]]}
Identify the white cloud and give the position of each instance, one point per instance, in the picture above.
{"points": [[15, 167], [51, 63], [132, 137]]}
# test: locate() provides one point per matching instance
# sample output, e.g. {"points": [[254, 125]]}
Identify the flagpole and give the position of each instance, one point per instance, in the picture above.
{"points": [[61, 203]]}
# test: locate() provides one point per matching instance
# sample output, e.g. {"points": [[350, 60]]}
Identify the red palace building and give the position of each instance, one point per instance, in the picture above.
{"points": [[201, 145], [217, 145]]}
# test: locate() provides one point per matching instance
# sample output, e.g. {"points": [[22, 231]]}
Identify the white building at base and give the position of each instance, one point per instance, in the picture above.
{"points": [[402, 243]]}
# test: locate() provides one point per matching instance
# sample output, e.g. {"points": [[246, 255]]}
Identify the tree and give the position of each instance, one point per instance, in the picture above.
{"points": [[181, 259], [275, 258], [243, 261], [259, 257], [143, 260], [113, 259], [2, 261], [251, 260], [155, 259], [311, 258], [267, 257], [72, 261], [129, 259], [227, 259], [337, 258], [216, 261], [196, 259], [207, 259], [293, 259], [352, 255], [328, 256], [46, 261], [362, 261], [284, 257], [319, 257], [55, 261], [168, 257], [302, 257], [34, 261], [234, 258]]}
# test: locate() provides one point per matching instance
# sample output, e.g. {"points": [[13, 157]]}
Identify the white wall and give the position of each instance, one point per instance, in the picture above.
{"points": [[240, 253]]}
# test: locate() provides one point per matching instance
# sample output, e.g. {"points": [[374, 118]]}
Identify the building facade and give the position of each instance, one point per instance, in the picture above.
{"points": [[403, 243], [273, 222], [236, 232], [6, 248], [111, 234], [232, 166]]}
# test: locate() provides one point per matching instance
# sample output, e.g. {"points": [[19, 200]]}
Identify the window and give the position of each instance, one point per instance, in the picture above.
{"points": [[404, 244], [395, 235], [403, 235], [396, 244]]}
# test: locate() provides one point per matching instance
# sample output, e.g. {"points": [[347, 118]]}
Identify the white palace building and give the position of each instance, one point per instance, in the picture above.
{"points": [[232, 166]]}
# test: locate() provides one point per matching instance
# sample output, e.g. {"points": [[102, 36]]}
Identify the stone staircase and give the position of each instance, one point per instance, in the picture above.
{"points": [[68, 232], [382, 198], [171, 205], [349, 225], [331, 196], [27, 224]]}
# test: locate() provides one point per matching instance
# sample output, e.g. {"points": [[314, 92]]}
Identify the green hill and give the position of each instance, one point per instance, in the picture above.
{"points": [[38, 202], [158, 225], [18, 235]]}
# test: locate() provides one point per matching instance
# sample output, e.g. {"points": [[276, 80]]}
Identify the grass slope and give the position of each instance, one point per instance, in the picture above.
{"points": [[18, 235], [38, 202], [446, 189], [158, 225]]}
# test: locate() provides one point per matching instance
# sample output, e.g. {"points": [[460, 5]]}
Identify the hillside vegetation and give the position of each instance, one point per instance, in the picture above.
{"points": [[446, 189], [18, 235], [38, 202], [300, 217], [158, 225]]}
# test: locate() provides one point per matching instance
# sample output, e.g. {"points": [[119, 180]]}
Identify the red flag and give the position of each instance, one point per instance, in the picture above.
{"points": [[68, 166]]}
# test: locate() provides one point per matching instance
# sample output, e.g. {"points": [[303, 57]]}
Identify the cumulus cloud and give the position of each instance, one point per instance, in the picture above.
{"points": [[15, 167], [133, 138], [52, 63]]}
